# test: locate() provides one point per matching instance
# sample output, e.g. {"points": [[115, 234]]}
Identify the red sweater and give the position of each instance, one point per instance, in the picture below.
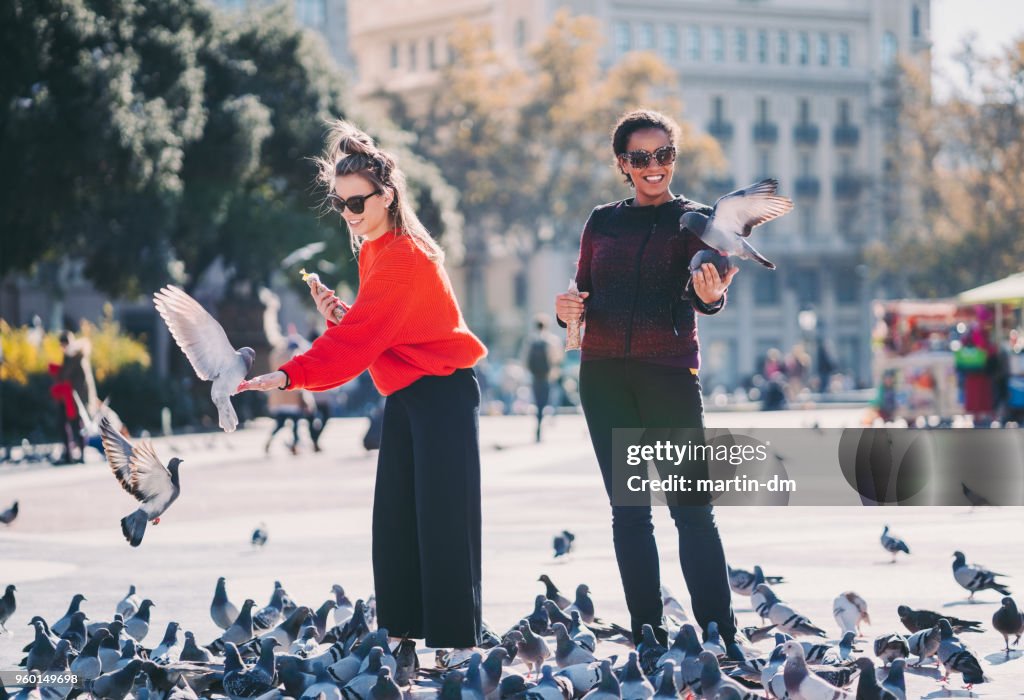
{"points": [[404, 324]]}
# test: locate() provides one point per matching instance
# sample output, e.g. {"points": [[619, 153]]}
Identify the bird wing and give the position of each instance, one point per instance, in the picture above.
{"points": [[740, 211], [197, 333], [150, 478], [119, 454]]}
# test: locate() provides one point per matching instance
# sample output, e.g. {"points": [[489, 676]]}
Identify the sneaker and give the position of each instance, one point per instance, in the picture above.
{"points": [[454, 658]]}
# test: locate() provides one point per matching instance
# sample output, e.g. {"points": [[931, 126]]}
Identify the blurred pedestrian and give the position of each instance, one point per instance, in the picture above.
{"points": [[543, 352], [74, 378], [640, 358], [287, 406], [406, 327]]}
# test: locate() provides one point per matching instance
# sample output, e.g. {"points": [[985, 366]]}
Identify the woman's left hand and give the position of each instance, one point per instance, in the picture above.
{"points": [[709, 285], [264, 382]]}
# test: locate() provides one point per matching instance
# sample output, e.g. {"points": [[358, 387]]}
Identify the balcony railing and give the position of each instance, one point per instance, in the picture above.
{"points": [[847, 186], [808, 187], [805, 134], [721, 130], [766, 132], [846, 135]]}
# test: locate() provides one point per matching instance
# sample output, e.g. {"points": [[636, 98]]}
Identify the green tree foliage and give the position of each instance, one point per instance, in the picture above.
{"points": [[960, 162]]}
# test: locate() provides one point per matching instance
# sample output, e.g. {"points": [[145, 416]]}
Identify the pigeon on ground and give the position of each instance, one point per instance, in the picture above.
{"points": [[924, 644], [649, 650], [634, 684], [40, 653], [7, 516], [87, 666], [141, 473], [512, 687], [240, 681], [345, 608], [191, 651], [367, 677], [270, 615], [239, 632], [129, 605], [116, 684], [955, 656], [830, 655], [892, 544], [386, 688], [407, 663], [583, 603], [889, 647], [567, 652], [168, 651], [533, 650], [867, 684], [8, 605], [259, 535], [137, 626], [768, 605], [490, 670], [800, 682], [59, 671], [608, 688], [895, 682], [1008, 621], [549, 687], [734, 217], [321, 617], [552, 593], [539, 621], [743, 582], [60, 626], [555, 614], [583, 677], [207, 348], [263, 669], [563, 543], [713, 683], [352, 630], [76, 634], [758, 634], [850, 610], [581, 634], [976, 578], [917, 620], [222, 610]]}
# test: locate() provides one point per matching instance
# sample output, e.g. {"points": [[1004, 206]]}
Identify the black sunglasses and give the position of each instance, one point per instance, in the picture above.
{"points": [[355, 203], [666, 155]]}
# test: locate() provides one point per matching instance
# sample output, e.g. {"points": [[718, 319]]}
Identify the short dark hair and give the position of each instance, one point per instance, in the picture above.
{"points": [[634, 121], [64, 338]]}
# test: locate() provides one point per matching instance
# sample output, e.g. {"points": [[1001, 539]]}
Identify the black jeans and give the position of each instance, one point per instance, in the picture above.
{"points": [[426, 512], [635, 394]]}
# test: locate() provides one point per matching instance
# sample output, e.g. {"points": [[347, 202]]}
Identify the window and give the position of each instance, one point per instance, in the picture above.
{"points": [[803, 49], [520, 33], [783, 48], [670, 45], [805, 111], [766, 289], [762, 46], [843, 51], [646, 40], [844, 112], [915, 21], [764, 163], [889, 49], [847, 283], [696, 51], [412, 55], [741, 45], [823, 49], [717, 44], [623, 37], [718, 109], [762, 110], [394, 55], [807, 285], [311, 13]]}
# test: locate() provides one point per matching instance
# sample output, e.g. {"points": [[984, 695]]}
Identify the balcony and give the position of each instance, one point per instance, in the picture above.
{"points": [[766, 132], [717, 186], [721, 130], [847, 187], [846, 135], [807, 187], [805, 134]]}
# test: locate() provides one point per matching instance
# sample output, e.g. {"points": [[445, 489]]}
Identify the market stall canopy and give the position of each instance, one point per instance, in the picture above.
{"points": [[1008, 289]]}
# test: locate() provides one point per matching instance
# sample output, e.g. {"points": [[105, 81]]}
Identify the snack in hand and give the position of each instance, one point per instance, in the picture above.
{"points": [[572, 337], [313, 280]]}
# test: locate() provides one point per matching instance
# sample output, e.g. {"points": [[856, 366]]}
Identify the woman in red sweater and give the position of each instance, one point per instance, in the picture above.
{"points": [[405, 326]]}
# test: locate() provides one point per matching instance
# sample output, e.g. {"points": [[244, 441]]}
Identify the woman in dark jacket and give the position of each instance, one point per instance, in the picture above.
{"points": [[640, 360]]}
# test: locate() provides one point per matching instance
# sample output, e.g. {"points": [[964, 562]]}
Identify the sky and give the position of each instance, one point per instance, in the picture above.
{"points": [[995, 22]]}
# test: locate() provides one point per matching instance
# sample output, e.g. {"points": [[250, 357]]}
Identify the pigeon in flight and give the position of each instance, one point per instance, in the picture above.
{"points": [[734, 217], [976, 578], [7, 516], [144, 476], [207, 348]]}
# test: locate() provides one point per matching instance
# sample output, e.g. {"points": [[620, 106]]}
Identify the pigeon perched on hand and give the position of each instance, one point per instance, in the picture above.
{"points": [[734, 216], [7, 516], [975, 578], [142, 475], [207, 348]]}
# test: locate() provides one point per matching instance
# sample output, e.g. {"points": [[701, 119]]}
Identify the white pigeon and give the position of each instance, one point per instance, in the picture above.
{"points": [[207, 348], [850, 610]]}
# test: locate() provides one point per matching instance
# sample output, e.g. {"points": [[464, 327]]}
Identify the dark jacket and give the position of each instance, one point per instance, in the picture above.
{"points": [[634, 261]]}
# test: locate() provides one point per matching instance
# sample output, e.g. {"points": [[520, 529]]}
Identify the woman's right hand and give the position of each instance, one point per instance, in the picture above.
{"points": [[325, 300], [569, 306]]}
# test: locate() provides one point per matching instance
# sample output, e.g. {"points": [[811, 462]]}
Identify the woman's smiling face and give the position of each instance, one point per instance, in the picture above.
{"points": [[651, 182]]}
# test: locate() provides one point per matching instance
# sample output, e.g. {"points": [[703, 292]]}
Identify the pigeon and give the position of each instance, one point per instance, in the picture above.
{"points": [[386, 688], [137, 626], [583, 603], [353, 629], [59, 668], [490, 670], [532, 649], [709, 255], [895, 682], [632, 681], [367, 677], [567, 652], [222, 610], [191, 651], [850, 610], [713, 683], [40, 652], [800, 682], [552, 593], [538, 619], [671, 607], [128, 605], [321, 616], [60, 626], [976, 578], [263, 669], [768, 605], [141, 473], [207, 348], [7, 516], [511, 686], [924, 644], [649, 650], [563, 544], [87, 666], [76, 634], [259, 535], [867, 683], [168, 651], [288, 630], [270, 615], [734, 216], [240, 681], [828, 654], [116, 684], [889, 647], [758, 634], [1008, 621], [975, 498], [581, 634], [893, 545], [472, 685], [345, 608], [954, 656], [240, 630], [7, 606], [917, 620], [583, 677], [667, 688], [549, 687], [555, 614], [608, 688]]}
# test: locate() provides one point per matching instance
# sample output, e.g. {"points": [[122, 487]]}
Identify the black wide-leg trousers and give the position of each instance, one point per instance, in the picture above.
{"points": [[621, 393], [426, 512]]}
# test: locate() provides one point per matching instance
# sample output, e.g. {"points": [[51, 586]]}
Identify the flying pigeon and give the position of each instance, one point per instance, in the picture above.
{"points": [[7, 516], [893, 544], [850, 610], [144, 476], [1009, 621], [207, 348], [976, 578], [735, 215], [7, 606], [917, 620]]}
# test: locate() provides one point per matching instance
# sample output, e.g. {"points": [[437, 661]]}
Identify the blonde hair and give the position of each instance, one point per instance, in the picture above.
{"points": [[350, 151]]}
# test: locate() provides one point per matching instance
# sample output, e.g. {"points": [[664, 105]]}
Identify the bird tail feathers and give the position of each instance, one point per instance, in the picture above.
{"points": [[134, 527], [752, 252], [226, 412]]}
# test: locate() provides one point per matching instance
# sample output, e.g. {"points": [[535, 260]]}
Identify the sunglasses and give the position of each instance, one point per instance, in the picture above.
{"points": [[666, 155], [355, 203]]}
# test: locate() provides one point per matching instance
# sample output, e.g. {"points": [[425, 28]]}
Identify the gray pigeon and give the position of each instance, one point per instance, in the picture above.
{"points": [[568, 652], [889, 647], [800, 682], [650, 650], [222, 610], [892, 544], [712, 682], [709, 255], [192, 651], [867, 683], [87, 666], [141, 473], [1009, 621], [207, 348], [608, 688], [129, 604], [917, 620], [7, 605], [552, 593], [60, 626], [768, 605], [580, 633], [955, 656], [895, 682], [40, 654], [76, 633], [168, 651], [975, 578], [734, 217], [137, 626], [924, 644], [532, 649], [260, 535], [116, 684], [240, 681], [385, 688], [7, 516]]}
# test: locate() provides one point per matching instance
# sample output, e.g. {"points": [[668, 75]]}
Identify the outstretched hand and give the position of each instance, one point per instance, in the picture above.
{"points": [[264, 382], [709, 285]]}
